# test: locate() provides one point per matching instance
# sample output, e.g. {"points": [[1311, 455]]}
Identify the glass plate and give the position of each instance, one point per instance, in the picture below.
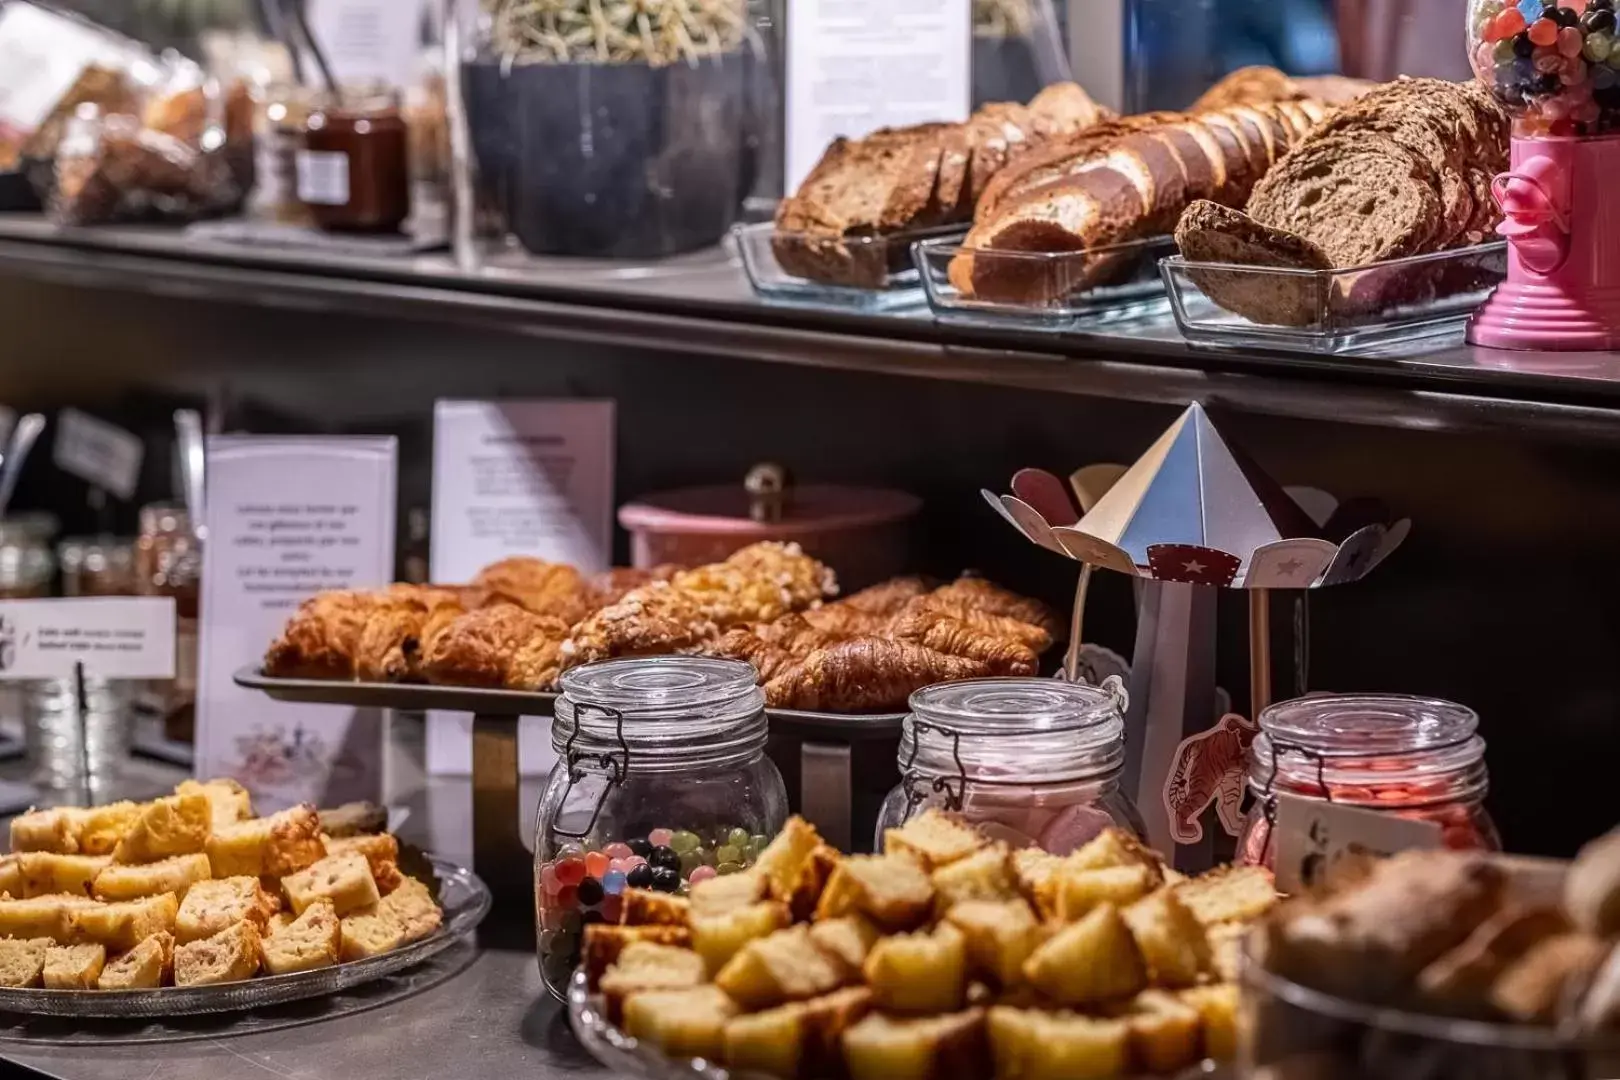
{"points": [[1326, 311], [1044, 290], [464, 898], [864, 273], [626, 1056]]}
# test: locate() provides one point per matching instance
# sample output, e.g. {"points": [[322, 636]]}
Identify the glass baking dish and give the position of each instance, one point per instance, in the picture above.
{"points": [[865, 273], [1048, 290], [1329, 311]]}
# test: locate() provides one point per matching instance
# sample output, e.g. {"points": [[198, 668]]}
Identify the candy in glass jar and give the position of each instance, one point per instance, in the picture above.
{"points": [[1416, 758], [1034, 762], [1554, 66], [661, 782]]}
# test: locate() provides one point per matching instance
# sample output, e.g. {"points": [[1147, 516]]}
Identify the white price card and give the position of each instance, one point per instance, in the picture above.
{"points": [[1311, 835], [367, 40], [287, 518], [113, 637], [98, 453], [854, 66], [514, 478]]}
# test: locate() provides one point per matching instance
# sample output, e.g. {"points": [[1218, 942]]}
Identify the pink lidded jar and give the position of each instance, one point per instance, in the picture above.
{"points": [[861, 532], [1416, 758], [1029, 761]]}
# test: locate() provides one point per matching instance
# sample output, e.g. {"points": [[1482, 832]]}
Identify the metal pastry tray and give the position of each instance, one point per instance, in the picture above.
{"points": [[416, 697], [626, 1056], [462, 895]]}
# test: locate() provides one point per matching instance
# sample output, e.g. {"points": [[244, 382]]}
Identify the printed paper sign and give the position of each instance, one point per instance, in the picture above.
{"points": [[368, 40], [98, 453], [113, 637], [1311, 836], [854, 66], [287, 518], [517, 478]]}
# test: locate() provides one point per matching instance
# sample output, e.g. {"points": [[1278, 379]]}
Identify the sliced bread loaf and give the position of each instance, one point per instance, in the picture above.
{"points": [[1211, 233]]}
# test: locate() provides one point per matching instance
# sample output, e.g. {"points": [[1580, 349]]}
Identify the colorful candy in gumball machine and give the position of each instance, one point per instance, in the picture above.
{"points": [[1417, 759], [1555, 68], [662, 782]]}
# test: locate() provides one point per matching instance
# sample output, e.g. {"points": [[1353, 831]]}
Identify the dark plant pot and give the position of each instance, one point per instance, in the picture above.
{"points": [[1005, 69], [491, 120], [615, 160]]}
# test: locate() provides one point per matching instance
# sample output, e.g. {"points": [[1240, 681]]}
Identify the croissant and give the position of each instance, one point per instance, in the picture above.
{"points": [[611, 586], [322, 638], [477, 649], [992, 598], [655, 620], [796, 635], [866, 675], [390, 647], [1026, 634], [758, 584], [536, 586], [741, 643], [954, 637], [889, 597], [842, 623]]}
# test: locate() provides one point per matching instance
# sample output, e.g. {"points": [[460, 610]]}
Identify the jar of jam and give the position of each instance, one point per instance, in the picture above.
{"points": [[354, 168], [97, 566], [1417, 758], [661, 782], [1034, 762], [168, 562], [282, 123]]}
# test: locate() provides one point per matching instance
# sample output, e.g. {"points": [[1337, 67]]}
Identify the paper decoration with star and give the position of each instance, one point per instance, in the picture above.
{"points": [[1196, 508]]}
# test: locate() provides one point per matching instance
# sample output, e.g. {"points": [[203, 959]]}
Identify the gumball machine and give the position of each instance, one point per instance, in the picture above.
{"points": [[1556, 68]]}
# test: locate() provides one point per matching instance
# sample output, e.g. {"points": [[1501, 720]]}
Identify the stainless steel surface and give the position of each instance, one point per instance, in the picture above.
{"points": [[826, 791], [700, 304], [494, 1020], [493, 704], [188, 429]]}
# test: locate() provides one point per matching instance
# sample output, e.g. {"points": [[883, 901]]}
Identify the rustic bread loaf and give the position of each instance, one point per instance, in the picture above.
{"points": [[1267, 85], [899, 180], [1124, 181], [1213, 233], [1361, 197]]}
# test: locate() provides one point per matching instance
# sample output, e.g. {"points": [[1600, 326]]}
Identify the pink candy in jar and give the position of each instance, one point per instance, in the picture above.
{"points": [[1032, 762]]}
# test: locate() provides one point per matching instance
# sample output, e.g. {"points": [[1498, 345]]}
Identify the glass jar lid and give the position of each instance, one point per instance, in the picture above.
{"points": [[662, 709], [1385, 748], [1013, 731]]}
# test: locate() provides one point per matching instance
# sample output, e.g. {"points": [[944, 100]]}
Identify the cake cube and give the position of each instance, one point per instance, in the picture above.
{"points": [[177, 875], [604, 944], [22, 961], [11, 877], [1165, 1033], [688, 1023], [1230, 894], [101, 827], [1217, 1008], [717, 938], [1078, 891], [74, 967], [48, 874], [1088, 962], [313, 940], [55, 830], [647, 907], [121, 927], [413, 907], [927, 1048], [232, 955], [345, 880], [1035, 1045], [145, 967], [799, 1039], [934, 839], [177, 825], [784, 966], [1170, 939], [779, 863], [214, 905], [1000, 938], [647, 966], [41, 917], [228, 801], [848, 940], [892, 891], [275, 846], [716, 896], [370, 933], [919, 974]]}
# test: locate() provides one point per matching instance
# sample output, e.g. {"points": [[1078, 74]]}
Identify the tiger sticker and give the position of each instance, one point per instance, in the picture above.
{"points": [[1209, 768]]}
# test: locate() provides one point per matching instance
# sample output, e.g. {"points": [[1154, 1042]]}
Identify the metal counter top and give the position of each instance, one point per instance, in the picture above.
{"points": [[493, 1021], [701, 304]]}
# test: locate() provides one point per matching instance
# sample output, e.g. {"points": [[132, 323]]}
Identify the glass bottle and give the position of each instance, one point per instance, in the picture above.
{"points": [[1029, 761], [354, 167], [1418, 758], [661, 782], [168, 562]]}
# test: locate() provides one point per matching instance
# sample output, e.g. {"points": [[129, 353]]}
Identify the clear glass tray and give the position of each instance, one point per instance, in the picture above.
{"points": [[463, 896], [1044, 290], [626, 1056], [1328, 311], [864, 273]]}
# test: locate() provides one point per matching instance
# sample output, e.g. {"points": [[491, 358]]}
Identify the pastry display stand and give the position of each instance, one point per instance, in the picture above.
{"points": [[1193, 515], [499, 856]]}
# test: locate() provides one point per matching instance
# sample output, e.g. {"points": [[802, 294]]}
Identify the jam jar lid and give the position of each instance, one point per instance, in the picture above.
{"points": [[666, 707], [1014, 730], [1381, 745]]}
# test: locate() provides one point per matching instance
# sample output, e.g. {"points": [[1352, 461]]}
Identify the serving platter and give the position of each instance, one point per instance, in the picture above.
{"points": [[463, 896]]}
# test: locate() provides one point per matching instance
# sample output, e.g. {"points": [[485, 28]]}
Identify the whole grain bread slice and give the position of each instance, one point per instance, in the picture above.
{"points": [[1211, 233], [1360, 197]]}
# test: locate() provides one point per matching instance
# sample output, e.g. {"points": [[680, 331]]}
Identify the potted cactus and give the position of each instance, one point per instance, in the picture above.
{"points": [[612, 128]]}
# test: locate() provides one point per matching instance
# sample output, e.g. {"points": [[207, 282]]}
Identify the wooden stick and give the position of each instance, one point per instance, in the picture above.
{"points": [[1077, 622], [1259, 650]]}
